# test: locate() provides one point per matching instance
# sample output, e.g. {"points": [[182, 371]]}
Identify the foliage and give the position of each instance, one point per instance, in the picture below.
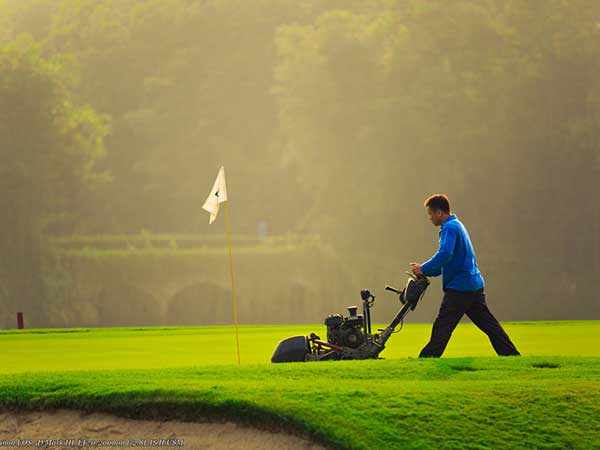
{"points": [[335, 118], [48, 148]]}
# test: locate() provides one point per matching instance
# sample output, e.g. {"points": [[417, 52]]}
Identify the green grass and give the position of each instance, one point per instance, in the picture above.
{"points": [[547, 399], [160, 347]]}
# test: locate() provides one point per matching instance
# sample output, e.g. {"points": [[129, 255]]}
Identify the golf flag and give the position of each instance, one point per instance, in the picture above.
{"points": [[217, 195]]}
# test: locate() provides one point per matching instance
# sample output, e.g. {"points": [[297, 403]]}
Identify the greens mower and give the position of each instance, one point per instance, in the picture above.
{"points": [[350, 337]]}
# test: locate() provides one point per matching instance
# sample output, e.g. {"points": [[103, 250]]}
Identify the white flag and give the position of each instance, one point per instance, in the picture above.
{"points": [[217, 195]]}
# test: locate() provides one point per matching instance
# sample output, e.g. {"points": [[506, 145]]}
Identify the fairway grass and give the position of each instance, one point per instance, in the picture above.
{"points": [[162, 347], [543, 400]]}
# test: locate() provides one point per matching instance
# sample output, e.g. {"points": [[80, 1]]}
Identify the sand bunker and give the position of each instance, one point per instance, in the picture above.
{"points": [[99, 430]]}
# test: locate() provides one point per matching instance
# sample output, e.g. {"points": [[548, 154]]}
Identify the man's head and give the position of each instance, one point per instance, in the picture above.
{"points": [[438, 208]]}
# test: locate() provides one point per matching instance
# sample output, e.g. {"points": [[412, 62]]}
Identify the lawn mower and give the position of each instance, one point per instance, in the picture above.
{"points": [[350, 337]]}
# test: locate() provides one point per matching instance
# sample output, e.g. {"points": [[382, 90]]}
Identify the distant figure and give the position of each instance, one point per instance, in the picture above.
{"points": [[261, 230], [461, 281]]}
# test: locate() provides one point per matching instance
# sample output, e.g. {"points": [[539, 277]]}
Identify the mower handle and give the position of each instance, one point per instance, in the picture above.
{"points": [[393, 289], [396, 291]]}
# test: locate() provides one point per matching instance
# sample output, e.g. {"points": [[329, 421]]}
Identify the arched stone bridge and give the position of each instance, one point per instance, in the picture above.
{"points": [[187, 288]]}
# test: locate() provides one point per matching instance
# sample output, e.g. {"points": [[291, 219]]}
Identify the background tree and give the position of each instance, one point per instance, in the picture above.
{"points": [[48, 148], [337, 118]]}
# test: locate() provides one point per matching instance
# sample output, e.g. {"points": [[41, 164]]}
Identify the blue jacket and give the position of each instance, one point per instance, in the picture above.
{"points": [[455, 259]]}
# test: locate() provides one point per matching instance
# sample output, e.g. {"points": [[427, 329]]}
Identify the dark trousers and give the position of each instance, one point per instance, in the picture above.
{"points": [[454, 305]]}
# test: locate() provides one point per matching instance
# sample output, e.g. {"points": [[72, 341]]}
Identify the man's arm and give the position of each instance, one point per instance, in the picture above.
{"points": [[437, 273], [433, 267]]}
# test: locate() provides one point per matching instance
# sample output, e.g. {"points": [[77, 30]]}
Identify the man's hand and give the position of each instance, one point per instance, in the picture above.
{"points": [[416, 269]]}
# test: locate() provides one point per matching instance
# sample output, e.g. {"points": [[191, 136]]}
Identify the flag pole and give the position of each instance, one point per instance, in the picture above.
{"points": [[235, 317]]}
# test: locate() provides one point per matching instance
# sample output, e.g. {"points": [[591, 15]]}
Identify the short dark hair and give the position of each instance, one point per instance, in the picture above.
{"points": [[438, 202]]}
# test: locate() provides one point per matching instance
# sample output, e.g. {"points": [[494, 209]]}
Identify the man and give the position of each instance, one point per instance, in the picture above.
{"points": [[462, 283]]}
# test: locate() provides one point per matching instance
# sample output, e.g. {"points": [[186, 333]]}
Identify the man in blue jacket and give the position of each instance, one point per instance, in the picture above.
{"points": [[461, 281]]}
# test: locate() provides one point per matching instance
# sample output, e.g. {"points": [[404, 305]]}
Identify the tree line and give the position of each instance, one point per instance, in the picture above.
{"points": [[334, 118]]}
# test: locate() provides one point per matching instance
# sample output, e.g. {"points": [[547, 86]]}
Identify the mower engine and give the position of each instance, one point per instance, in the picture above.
{"points": [[345, 331]]}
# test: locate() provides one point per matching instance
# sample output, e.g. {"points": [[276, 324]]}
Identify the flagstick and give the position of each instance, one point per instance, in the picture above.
{"points": [[235, 318]]}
